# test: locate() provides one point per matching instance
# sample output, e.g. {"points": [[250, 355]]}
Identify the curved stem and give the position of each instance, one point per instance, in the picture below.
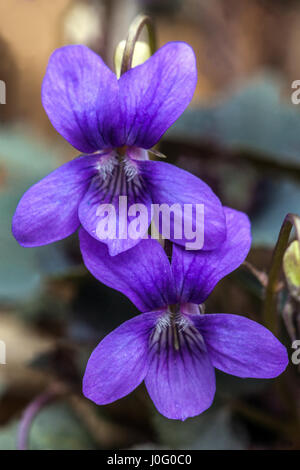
{"points": [[134, 32], [270, 303], [30, 413]]}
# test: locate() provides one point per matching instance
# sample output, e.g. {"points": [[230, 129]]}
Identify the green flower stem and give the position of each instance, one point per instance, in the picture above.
{"points": [[134, 32], [270, 316]]}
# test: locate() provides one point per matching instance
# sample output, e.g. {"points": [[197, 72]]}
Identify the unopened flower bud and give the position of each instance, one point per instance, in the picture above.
{"points": [[141, 53], [291, 267]]}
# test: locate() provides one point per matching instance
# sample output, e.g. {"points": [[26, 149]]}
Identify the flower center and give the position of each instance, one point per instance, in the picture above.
{"points": [[175, 331], [114, 163], [117, 175]]}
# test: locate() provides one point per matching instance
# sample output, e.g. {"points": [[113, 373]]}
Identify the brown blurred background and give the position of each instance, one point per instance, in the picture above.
{"points": [[232, 40]]}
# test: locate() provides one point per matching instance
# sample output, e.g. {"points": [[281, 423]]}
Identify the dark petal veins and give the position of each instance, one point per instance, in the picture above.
{"points": [[180, 379], [111, 224]]}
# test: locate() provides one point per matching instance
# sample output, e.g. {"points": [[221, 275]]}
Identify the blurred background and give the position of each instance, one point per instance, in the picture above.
{"points": [[241, 134]]}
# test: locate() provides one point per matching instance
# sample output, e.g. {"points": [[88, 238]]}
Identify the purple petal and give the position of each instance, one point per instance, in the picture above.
{"points": [[154, 94], [80, 96], [48, 211], [171, 185], [120, 362], [197, 273], [241, 347], [143, 273], [116, 209], [180, 380]]}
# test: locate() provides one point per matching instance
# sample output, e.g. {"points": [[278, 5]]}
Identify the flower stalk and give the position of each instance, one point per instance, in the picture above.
{"points": [[270, 304], [33, 409], [134, 32]]}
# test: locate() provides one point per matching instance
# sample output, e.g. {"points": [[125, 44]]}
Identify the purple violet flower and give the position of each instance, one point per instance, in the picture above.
{"points": [[172, 347], [113, 122]]}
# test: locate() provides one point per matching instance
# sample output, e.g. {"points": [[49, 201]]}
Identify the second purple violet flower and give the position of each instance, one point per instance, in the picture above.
{"points": [[172, 346]]}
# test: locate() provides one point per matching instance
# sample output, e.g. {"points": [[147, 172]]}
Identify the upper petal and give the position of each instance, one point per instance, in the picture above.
{"points": [[196, 273], [80, 96], [181, 378], [153, 95], [142, 273], [241, 347], [120, 362], [170, 185], [48, 211], [116, 209]]}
